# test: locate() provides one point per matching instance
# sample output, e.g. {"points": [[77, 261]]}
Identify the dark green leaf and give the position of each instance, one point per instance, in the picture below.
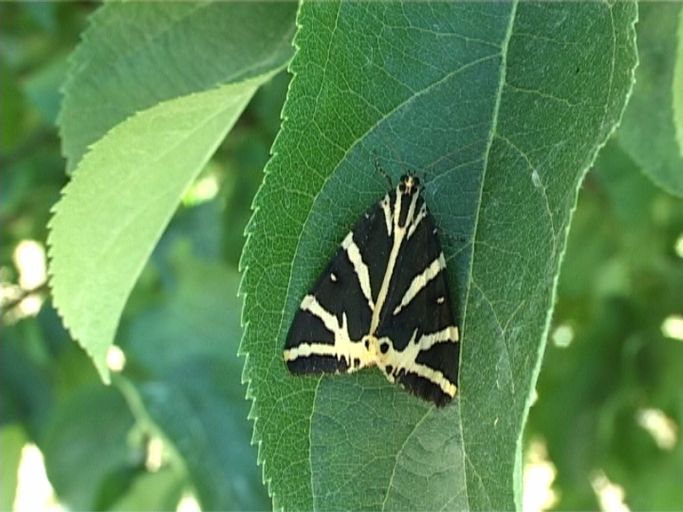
{"points": [[42, 88], [502, 107], [200, 316], [27, 394], [198, 408], [13, 115]]}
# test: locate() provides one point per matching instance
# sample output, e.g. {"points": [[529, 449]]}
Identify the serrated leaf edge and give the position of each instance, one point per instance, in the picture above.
{"points": [[244, 268]]}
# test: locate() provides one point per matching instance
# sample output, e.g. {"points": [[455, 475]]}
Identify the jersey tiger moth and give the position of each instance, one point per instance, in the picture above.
{"points": [[383, 301]]}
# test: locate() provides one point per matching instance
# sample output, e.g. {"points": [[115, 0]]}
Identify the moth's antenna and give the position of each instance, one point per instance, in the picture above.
{"points": [[398, 158], [380, 170]]}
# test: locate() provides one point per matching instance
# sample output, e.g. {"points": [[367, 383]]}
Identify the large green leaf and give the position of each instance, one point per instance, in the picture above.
{"points": [[502, 107], [648, 132], [137, 54]]}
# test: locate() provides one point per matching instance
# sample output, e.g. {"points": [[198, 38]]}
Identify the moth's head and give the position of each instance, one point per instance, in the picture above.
{"points": [[409, 184]]}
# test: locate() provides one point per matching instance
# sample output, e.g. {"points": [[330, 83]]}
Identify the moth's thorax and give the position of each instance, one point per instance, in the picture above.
{"points": [[407, 201], [408, 185], [377, 350], [371, 345]]}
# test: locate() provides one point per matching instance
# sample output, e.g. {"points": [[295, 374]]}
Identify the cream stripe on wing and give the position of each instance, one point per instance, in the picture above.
{"points": [[410, 216], [348, 350], [427, 341], [331, 322], [434, 376], [420, 281], [416, 221], [386, 208], [398, 235], [361, 269], [406, 360], [307, 349], [343, 345]]}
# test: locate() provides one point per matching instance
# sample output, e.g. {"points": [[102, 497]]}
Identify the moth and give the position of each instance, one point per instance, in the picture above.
{"points": [[383, 301]]}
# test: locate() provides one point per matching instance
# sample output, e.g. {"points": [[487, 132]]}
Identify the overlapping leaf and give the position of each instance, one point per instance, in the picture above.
{"points": [[138, 54], [120, 200], [166, 60]]}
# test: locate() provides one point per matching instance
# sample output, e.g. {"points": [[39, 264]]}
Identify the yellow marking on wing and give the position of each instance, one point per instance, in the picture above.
{"points": [[386, 208], [421, 215], [406, 359], [360, 267], [420, 281], [343, 345]]}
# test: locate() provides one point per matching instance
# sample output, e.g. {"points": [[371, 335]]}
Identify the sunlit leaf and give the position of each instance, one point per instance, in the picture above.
{"points": [[119, 201]]}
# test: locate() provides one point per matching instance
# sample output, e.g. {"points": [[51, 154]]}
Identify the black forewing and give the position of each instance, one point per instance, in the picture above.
{"points": [[429, 311], [338, 291], [374, 243]]}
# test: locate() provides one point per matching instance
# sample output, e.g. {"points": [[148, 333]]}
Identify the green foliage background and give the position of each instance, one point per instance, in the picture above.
{"points": [[180, 328]]}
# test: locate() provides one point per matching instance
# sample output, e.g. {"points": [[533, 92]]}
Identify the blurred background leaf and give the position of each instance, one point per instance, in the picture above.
{"points": [[12, 441], [654, 115], [83, 457], [609, 364], [130, 446], [183, 380]]}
